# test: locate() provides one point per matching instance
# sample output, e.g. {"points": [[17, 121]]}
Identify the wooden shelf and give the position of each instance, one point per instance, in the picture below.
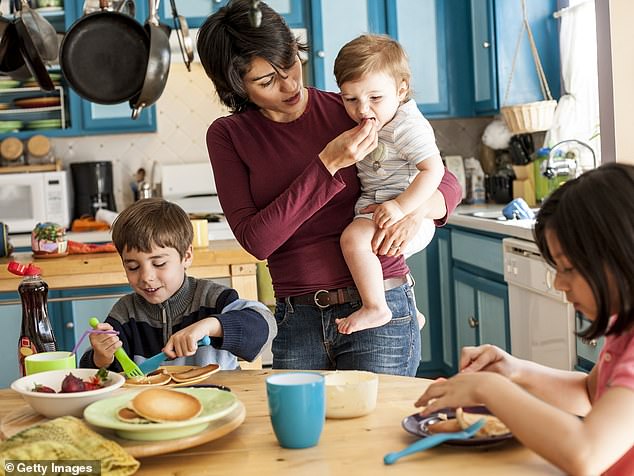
{"points": [[57, 166]]}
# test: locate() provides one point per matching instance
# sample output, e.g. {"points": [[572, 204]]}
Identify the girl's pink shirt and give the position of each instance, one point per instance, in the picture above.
{"points": [[615, 368]]}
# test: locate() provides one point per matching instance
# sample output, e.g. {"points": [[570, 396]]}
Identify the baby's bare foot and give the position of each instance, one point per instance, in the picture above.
{"points": [[364, 318]]}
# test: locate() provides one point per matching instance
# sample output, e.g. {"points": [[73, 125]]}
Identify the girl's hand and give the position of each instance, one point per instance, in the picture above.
{"points": [[350, 147], [387, 214], [104, 345], [185, 342], [488, 358], [465, 389]]}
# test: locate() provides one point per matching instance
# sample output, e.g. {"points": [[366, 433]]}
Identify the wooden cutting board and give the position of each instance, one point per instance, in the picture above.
{"points": [[25, 417]]}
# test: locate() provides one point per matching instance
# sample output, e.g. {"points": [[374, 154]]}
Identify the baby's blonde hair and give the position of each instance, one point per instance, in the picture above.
{"points": [[372, 54]]}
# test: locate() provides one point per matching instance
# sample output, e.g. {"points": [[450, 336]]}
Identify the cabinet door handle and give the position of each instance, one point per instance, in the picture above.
{"points": [[321, 54], [70, 325], [486, 44], [473, 322]]}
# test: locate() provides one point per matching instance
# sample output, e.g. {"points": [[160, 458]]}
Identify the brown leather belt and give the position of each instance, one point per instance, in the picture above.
{"points": [[325, 298]]}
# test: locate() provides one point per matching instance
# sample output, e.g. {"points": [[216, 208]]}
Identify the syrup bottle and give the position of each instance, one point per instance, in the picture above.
{"points": [[36, 334]]}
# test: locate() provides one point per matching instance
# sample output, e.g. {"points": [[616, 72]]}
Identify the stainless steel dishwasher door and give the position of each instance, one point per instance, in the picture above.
{"points": [[541, 320]]}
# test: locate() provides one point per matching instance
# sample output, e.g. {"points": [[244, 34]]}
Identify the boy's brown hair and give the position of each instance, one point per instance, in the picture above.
{"points": [[152, 222], [372, 54]]}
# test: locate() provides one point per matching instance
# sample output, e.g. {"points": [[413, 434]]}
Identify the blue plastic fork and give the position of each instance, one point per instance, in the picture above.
{"points": [[434, 440]]}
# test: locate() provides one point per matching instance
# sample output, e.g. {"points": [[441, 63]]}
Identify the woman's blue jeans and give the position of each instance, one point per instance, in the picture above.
{"points": [[307, 337]]}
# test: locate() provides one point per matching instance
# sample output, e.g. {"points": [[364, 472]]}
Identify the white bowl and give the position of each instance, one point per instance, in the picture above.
{"points": [[350, 393], [54, 405]]}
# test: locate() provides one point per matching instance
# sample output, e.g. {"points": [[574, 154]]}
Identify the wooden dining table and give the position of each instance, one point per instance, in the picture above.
{"points": [[349, 447]]}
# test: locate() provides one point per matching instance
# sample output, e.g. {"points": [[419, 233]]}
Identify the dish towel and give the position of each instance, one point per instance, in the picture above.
{"points": [[67, 438]]}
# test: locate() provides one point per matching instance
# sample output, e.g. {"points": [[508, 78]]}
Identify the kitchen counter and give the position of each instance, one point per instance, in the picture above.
{"points": [[347, 446], [222, 259], [522, 229]]}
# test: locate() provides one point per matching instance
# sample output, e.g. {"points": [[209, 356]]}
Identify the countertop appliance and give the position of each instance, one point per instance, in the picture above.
{"points": [[542, 322], [92, 182], [27, 199], [192, 186]]}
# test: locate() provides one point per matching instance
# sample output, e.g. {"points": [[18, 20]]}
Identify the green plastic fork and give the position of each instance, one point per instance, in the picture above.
{"points": [[130, 369]]}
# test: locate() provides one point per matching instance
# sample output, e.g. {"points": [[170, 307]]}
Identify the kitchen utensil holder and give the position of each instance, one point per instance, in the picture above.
{"points": [[534, 116]]}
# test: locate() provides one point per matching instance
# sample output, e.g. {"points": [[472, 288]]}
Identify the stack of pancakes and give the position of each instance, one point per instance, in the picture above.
{"points": [[165, 375]]}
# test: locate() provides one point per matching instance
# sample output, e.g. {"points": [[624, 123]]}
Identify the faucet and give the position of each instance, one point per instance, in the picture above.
{"points": [[570, 159]]}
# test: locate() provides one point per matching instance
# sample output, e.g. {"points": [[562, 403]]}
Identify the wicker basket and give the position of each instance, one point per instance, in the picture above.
{"points": [[529, 117]]}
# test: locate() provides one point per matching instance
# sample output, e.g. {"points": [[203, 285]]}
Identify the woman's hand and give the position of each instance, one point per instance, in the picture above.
{"points": [[185, 342], [104, 345], [465, 389], [391, 241], [350, 147]]}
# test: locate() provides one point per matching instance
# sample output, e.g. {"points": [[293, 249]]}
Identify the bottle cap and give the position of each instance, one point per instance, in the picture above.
{"points": [[23, 269]]}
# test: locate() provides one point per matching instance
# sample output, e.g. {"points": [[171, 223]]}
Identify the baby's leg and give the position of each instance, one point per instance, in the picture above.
{"points": [[366, 270]]}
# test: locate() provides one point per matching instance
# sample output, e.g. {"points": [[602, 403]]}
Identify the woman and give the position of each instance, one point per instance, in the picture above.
{"points": [[282, 165]]}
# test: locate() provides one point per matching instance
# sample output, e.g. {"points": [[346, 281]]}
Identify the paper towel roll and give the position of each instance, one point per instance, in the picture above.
{"points": [[107, 216]]}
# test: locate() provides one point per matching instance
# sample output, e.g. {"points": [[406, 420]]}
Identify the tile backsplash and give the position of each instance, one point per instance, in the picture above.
{"points": [[184, 111]]}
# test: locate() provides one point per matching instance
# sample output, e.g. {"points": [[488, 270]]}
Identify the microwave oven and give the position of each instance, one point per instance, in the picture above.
{"points": [[27, 199]]}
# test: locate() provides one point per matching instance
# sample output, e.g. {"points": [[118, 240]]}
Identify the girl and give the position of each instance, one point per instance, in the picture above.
{"points": [[586, 231]]}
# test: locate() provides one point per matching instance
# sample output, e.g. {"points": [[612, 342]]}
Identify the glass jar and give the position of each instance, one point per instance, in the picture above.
{"points": [[12, 152], [39, 150]]}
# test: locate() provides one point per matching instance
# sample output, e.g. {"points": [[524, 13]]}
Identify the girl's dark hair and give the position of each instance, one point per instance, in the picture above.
{"points": [[227, 43], [593, 219], [152, 222]]}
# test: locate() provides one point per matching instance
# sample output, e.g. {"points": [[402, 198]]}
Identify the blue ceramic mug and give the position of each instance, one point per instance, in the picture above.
{"points": [[297, 408]]}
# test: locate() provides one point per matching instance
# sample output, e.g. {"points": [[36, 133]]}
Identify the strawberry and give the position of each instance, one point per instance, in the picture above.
{"points": [[72, 384], [92, 386], [42, 389]]}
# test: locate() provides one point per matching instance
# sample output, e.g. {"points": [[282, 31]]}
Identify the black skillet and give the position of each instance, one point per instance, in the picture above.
{"points": [[32, 58], [104, 56]]}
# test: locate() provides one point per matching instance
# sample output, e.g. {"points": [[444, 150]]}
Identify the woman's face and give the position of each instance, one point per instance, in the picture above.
{"points": [[280, 95]]}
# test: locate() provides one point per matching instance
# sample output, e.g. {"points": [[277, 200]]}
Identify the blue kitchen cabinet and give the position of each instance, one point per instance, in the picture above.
{"points": [[481, 307], [431, 270], [587, 350], [196, 11], [495, 28], [11, 319], [333, 24], [433, 34], [77, 306]]}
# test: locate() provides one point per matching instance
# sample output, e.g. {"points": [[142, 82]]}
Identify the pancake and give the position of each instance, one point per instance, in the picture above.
{"points": [[160, 377], [164, 405], [445, 426], [492, 426], [130, 416], [197, 373]]}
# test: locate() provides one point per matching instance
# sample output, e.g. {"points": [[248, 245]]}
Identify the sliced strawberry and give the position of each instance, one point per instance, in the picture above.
{"points": [[42, 389]]}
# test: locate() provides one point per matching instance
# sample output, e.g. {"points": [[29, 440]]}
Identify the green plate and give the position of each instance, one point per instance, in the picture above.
{"points": [[44, 124], [216, 404], [9, 83]]}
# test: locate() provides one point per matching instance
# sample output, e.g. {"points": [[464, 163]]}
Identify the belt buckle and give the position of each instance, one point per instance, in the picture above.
{"points": [[316, 298]]}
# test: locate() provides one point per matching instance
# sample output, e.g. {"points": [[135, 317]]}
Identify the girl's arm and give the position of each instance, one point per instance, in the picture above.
{"points": [[588, 446]]}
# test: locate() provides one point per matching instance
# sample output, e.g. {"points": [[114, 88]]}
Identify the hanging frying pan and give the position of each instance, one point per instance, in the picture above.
{"points": [[104, 56], [31, 56], [185, 41], [158, 64], [10, 56]]}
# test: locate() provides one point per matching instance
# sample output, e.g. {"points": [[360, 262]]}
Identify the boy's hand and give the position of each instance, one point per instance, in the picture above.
{"points": [[387, 214], [185, 342], [104, 345]]}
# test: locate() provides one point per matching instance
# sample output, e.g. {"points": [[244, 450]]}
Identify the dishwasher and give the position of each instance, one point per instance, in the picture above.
{"points": [[541, 321]]}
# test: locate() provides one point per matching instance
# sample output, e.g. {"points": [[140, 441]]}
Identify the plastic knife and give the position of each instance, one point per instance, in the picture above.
{"points": [[154, 362]]}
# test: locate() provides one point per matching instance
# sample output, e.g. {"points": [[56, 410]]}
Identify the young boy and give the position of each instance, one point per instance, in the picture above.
{"points": [[401, 174], [168, 310]]}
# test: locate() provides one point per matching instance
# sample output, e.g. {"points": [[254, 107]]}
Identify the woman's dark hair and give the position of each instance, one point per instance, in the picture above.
{"points": [[592, 217], [227, 43]]}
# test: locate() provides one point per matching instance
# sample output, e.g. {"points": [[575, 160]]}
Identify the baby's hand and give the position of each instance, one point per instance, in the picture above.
{"points": [[387, 214], [104, 345]]}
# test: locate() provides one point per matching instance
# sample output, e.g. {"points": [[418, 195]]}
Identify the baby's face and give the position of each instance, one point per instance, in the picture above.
{"points": [[375, 96], [156, 275]]}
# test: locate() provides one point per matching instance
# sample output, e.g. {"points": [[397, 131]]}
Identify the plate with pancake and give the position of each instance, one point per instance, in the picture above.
{"points": [[448, 420], [173, 376], [168, 425]]}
